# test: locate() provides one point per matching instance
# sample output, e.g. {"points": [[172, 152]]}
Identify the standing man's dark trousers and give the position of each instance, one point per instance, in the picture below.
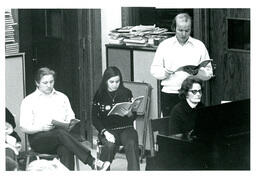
{"points": [[61, 142], [129, 139], [168, 101]]}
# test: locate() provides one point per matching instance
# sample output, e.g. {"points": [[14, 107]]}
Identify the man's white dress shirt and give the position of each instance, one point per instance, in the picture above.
{"points": [[171, 55], [38, 110]]}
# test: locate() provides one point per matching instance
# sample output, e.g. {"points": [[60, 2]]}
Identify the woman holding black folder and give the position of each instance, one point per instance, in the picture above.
{"points": [[115, 130]]}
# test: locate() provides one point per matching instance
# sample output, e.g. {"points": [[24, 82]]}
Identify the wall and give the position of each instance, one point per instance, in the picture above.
{"points": [[15, 88], [232, 81], [110, 19]]}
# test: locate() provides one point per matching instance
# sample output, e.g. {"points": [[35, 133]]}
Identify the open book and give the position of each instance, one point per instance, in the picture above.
{"points": [[123, 108], [66, 125], [193, 70]]}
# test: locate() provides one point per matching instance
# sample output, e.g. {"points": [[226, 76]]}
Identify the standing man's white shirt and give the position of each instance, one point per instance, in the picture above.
{"points": [[171, 55], [39, 109]]}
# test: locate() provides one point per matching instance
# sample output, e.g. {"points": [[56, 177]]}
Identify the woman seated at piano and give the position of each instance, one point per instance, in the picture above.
{"points": [[183, 115]]}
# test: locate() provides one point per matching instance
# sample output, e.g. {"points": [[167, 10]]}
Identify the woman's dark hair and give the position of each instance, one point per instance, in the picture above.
{"points": [[111, 71], [42, 72], [187, 85]]}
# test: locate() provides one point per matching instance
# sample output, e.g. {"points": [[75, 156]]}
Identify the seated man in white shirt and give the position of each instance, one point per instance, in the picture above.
{"points": [[37, 112]]}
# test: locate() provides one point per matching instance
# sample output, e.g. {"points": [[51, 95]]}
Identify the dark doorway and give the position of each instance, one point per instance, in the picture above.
{"points": [[60, 39]]}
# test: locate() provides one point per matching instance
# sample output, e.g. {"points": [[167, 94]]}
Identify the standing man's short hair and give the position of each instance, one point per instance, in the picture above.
{"points": [[184, 16], [42, 72]]}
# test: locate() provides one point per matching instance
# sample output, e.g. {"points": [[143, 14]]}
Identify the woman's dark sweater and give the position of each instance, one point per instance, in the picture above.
{"points": [[103, 104], [182, 118]]}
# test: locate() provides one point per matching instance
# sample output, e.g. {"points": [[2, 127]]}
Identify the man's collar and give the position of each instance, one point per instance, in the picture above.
{"points": [[190, 40], [39, 93]]}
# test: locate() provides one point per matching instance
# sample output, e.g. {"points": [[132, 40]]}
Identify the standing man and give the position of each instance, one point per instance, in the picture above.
{"points": [[173, 53], [36, 114]]}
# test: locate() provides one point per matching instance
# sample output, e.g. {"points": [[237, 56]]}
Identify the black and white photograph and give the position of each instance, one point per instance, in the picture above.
{"points": [[64, 68]]}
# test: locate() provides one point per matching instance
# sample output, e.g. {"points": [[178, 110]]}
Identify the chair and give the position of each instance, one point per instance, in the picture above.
{"points": [[138, 89], [11, 159], [31, 153], [157, 126]]}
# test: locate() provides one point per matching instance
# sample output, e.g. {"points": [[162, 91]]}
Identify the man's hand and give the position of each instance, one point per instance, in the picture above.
{"points": [[110, 137], [204, 73], [169, 72], [72, 124], [48, 127], [18, 146], [8, 128]]}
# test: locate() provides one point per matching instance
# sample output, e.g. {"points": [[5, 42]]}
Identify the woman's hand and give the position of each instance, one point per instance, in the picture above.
{"points": [[110, 137], [190, 135], [129, 113]]}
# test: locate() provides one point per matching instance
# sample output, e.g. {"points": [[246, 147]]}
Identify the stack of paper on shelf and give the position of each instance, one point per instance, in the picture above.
{"points": [[138, 35], [136, 41], [11, 45]]}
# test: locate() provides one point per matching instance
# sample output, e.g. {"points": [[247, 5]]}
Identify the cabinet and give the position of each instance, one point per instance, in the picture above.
{"points": [[134, 64], [121, 58], [141, 71]]}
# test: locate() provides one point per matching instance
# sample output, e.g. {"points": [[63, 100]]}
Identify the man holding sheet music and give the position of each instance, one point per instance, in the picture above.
{"points": [[46, 116], [174, 53]]}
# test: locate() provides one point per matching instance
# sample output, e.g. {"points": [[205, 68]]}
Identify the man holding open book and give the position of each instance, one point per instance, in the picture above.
{"points": [[175, 57], [46, 116]]}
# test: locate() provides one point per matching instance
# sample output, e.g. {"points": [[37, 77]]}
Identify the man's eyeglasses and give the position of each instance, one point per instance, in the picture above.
{"points": [[195, 91]]}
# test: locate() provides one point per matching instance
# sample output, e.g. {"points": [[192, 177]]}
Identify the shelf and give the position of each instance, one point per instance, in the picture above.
{"points": [[123, 46]]}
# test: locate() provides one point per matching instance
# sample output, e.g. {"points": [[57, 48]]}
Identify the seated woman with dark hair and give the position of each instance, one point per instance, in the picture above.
{"points": [[115, 130], [182, 116]]}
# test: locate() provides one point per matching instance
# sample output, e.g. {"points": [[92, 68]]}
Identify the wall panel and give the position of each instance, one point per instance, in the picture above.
{"points": [[15, 88]]}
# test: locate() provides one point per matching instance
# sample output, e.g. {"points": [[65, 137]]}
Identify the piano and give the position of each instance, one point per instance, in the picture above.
{"points": [[221, 141]]}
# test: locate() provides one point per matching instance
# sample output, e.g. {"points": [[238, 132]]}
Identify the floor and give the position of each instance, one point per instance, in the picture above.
{"points": [[118, 164]]}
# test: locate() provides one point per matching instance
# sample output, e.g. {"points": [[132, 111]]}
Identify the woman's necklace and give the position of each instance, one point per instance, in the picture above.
{"points": [[112, 95]]}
